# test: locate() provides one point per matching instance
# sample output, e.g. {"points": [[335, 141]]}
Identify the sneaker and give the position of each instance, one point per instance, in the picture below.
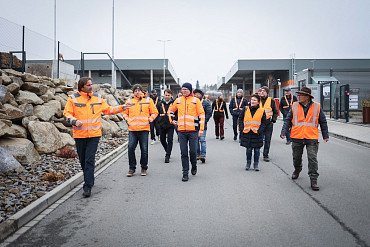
{"points": [[222, 137], [255, 165], [203, 160], [235, 137], [167, 159], [217, 137], [185, 178], [143, 172], [130, 173], [193, 170], [248, 165], [266, 158], [86, 193], [152, 142], [288, 142]]}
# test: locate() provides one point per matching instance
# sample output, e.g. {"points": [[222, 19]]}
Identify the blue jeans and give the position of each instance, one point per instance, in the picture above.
{"points": [[192, 139], [86, 150], [140, 137], [202, 147], [256, 154]]}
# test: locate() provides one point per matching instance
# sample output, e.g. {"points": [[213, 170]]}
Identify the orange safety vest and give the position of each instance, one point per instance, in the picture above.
{"points": [[267, 107], [140, 114], [219, 107], [88, 108], [289, 104], [252, 123], [238, 107], [190, 114], [305, 127]]}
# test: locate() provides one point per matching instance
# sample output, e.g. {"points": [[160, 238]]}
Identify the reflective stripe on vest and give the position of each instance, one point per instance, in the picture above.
{"points": [[219, 107], [267, 107], [305, 127], [252, 123], [289, 104], [238, 107]]}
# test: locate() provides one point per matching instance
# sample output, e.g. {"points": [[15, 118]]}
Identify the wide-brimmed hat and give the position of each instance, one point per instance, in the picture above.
{"points": [[305, 91]]}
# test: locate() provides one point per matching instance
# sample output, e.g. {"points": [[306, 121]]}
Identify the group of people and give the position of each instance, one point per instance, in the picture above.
{"points": [[188, 115]]}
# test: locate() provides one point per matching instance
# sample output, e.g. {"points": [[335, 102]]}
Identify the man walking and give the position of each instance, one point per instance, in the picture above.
{"points": [[202, 145], [141, 112], [190, 124], [154, 128], [166, 129], [268, 104], [83, 111], [236, 105], [304, 120], [286, 103]]}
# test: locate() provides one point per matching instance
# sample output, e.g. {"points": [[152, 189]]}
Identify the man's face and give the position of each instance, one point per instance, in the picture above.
{"points": [[138, 93], [198, 95], [154, 94], [288, 93], [185, 92], [167, 96], [239, 94], [302, 98], [262, 93], [87, 88]]}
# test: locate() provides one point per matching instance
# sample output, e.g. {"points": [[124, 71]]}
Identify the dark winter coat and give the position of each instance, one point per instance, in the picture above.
{"points": [[251, 139], [163, 121], [222, 105], [233, 105], [207, 111], [283, 103]]}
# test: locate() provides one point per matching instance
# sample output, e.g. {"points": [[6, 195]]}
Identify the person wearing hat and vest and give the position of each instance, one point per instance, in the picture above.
{"points": [[219, 112], [83, 111], [252, 122], [141, 113], [268, 104], [166, 129], [286, 103], [236, 106], [304, 120], [154, 128], [190, 125], [202, 145]]}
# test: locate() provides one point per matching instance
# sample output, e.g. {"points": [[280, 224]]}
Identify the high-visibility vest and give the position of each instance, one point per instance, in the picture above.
{"points": [[141, 112], [87, 108], [219, 108], [288, 104], [252, 123], [238, 107], [190, 114], [267, 107], [305, 127]]}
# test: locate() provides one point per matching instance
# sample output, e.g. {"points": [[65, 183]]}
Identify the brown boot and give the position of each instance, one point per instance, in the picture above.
{"points": [[296, 172], [314, 185]]}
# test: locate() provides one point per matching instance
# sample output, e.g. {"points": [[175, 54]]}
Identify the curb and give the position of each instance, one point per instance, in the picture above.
{"points": [[349, 139], [21, 218]]}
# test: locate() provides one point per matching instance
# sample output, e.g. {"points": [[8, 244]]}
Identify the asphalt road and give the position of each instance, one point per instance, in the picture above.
{"points": [[223, 205]]}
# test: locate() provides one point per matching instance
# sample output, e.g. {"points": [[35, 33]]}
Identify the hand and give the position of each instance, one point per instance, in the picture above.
{"points": [[78, 123], [326, 139], [174, 122], [200, 133], [282, 136]]}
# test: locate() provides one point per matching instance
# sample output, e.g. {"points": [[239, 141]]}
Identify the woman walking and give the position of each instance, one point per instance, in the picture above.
{"points": [[219, 111]]}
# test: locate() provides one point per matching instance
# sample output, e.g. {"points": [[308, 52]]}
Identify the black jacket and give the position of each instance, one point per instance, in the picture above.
{"points": [[163, 121], [274, 111], [207, 111], [251, 139], [283, 103], [322, 121], [232, 105], [222, 105]]}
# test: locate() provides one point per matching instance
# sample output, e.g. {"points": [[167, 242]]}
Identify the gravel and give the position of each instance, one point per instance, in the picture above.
{"points": [[19, 189]]}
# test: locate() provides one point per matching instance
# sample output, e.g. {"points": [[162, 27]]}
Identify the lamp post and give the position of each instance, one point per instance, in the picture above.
{"points": [[114, 83], [164, 60], [279, 84]]}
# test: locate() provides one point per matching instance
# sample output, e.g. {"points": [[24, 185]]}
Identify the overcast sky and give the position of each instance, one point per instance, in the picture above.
{"points": [[207, 36]]}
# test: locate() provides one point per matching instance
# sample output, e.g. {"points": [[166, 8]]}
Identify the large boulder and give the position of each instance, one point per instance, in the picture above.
{"points": [[27, 120], [7, 161], [5, 80], [37, 88], [67, 139], [45, 136], [10, 112], [24, 97], [16, 131], [109, 128], [49, 95], [12, 72], [62, 101], [4, 94], [5, 126], [30, 78], [62, 128], [17, 80], [13, 88], [46, 111], [27, 109], [22, 149]]}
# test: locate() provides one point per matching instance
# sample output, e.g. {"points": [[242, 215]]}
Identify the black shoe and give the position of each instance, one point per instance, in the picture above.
{"points": [[217, 137], [193, 170], [266, 158], [314, 185], [185, 178], [222, 137], [288, 142], [167, 159], [235, 137], [203, 160], [295, 174], [86, 193]]}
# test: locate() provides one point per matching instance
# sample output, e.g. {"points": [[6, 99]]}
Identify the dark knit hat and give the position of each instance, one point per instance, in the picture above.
{"points": [[287, 89], [305, 91], [188, 86], [198, 91], [137, 86], [266, 89], [153, 91]]}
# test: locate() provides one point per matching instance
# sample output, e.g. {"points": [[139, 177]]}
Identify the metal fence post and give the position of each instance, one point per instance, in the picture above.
{"points": [[23, 52], [58, 61]]}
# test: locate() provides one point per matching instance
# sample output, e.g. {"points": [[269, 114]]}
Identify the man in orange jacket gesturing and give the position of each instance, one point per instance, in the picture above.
{"points": [[83, 111]]}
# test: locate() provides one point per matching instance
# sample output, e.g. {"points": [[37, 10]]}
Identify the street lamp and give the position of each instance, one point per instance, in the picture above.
{"points": [[279, 84], [114, 81], [164, 60]]}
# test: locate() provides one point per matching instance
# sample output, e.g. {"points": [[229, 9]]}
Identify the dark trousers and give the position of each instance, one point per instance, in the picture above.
{"points": [[256, 154], [219, 122], [188, 145], [166, 137], [287, 133], [86, 150], [135, 137], [312, 147], [267, 138], [154, 129], [235, 125]]}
